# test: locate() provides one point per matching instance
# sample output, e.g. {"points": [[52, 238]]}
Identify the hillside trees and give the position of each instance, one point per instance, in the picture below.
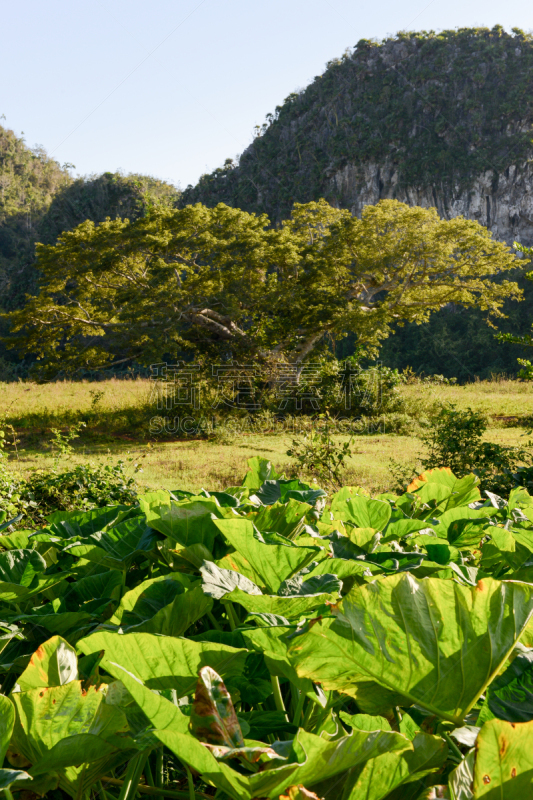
{"points": [[223, 282], [39, 200], [526, 339]]}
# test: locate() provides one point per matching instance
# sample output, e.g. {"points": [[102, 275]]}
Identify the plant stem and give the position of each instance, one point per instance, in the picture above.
{"points": [[123, 584], [155, 792], [232, 617], [159, 767], [8, 794], [133, 774], [453, 747], [102, 791], [308, 714], [397, 716], [79, 791], [192, 795], [148, 774], [126, 783], [278, 697], [213, 621], [299, 709]]}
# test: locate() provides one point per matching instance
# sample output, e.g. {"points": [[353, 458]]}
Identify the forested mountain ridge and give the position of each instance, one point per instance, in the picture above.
{"points": [[29, 180], [430, 119], [39, 200]]}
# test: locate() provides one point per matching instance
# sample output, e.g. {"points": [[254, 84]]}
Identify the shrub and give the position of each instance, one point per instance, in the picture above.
{"points": [[82, 487], [455, 441], [316, 453]]}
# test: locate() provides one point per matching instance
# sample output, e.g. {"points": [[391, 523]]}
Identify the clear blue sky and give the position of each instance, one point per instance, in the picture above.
{"points": [[172, 89]]}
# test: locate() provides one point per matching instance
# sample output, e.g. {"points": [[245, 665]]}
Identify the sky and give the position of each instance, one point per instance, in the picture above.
{"points": [[173, 88]]}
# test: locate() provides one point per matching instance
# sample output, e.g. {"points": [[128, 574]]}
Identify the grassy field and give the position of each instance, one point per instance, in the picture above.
{"points": [[116, 415]]}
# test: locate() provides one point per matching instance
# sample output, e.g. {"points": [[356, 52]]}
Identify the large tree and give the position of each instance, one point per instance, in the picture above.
{"points": [[225, 282]]}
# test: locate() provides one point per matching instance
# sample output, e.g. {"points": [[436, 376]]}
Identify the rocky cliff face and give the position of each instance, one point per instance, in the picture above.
{"points": [[503, 202], [441, 120]]}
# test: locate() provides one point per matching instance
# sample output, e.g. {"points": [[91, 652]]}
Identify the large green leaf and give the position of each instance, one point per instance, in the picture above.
{"points": [[218, 581], [288, 607], [343, 568], [172, 728], [9, 776], [67, 524], [54, 663], [105, 584], [14, 593], [274, 491], [376, 779], [313, 759], [280, 491], [462, 490], [272, 644], [510, 696], [54, 716], [504, 761], [140, 604], [437, 643], [21, 566], [365, 722], [18, 540], [118, 546], [164, 662], [187, 522], [504, 546], [161, 605], [260, 470], [399, 528], [58, 622], [83, 748], [320, 760], [262, 723], [177, 617], [363, 512], [450, 524], [7, 720], [273, 563], [304, 586], [51, 729], [284, 518], [255, 684]]}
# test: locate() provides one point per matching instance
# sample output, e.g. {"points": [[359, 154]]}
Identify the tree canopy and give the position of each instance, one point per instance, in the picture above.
{"points": [[224, 282]]}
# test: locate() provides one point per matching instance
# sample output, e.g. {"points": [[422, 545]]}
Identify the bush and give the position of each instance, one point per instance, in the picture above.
{"points": [[315, 453], [455, 441], [81, 487]]}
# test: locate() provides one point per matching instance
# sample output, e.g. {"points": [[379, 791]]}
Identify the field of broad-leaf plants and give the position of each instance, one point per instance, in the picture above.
{"points": [[272, 641]]}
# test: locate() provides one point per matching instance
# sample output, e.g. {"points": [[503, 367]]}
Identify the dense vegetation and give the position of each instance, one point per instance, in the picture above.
{"points": [[29, 180], [383, 102], [39, 200], [440, 109], [271, 641], [224, 283]]}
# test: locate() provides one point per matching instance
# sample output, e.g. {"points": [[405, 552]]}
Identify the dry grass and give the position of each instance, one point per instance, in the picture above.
{"points": [[498, 399], [194, 464], [32, 405]]}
